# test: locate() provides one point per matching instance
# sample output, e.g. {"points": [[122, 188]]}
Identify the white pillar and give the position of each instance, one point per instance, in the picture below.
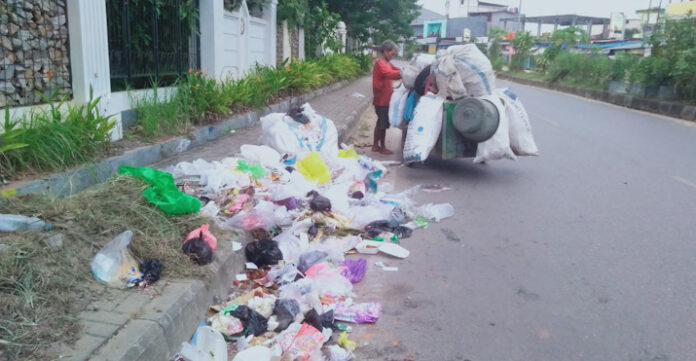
{"points": [[211, 15], [301, 52], [271, 31], [287, 46], [89, 56]]}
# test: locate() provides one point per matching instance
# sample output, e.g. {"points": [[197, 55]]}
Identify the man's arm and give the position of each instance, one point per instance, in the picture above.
{"points": [[389, 71]]}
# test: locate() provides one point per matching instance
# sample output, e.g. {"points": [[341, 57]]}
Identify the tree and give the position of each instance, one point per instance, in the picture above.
{"points": [[495, 38], [571, 35], [523, 43], [378, 19]]}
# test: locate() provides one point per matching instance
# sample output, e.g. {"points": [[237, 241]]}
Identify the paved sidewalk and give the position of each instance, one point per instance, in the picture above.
{"points": [[344, 106]]}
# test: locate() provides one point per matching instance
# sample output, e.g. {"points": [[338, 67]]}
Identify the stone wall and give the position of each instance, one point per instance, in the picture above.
{"points": [[294, 44], [34, 56]]}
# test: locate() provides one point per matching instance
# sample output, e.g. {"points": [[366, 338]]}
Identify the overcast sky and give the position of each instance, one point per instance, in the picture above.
{"points": [[601, 8]]}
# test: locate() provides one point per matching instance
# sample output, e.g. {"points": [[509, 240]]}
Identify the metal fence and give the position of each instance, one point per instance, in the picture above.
{"points": [[151, 41], [34, 51]]}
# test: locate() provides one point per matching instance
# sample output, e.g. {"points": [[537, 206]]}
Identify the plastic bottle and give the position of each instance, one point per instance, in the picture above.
{"points": [[14, 223]]}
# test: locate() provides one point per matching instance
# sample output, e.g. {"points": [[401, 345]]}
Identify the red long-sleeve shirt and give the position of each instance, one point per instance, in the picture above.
{"points": [[383, 73]]}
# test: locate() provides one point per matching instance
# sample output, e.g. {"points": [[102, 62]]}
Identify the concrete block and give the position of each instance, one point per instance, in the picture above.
{"points": [[100, 329], [689, 112], [139, 340], [133, 304], [84, 347], [111, 317]]}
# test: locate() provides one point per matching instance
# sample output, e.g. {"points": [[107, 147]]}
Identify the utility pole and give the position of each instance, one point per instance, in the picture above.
{"points": [[519, 17]]}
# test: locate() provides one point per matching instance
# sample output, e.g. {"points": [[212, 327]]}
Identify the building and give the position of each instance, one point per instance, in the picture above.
{"points": [[431, 29], [649, 19], [114, 49], [681, 10]]}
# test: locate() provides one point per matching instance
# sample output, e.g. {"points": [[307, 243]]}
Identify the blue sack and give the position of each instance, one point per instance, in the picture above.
{"points": [[410, 106]]}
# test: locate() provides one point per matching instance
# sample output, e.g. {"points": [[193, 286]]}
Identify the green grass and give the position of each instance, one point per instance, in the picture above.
{"points": [[42, 291]]}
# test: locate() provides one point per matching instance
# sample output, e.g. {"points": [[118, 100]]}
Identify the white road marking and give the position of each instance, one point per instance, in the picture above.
{"points": [[684, 181]]}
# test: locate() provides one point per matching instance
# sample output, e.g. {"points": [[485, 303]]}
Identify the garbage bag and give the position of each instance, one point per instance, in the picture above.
{"points": [[263, 253], [198, 250], [397, 104], [257, 171], [285, 310], [314, 169], [114, 265], [348, 153], [367, 312], [337, 353], [307, 341], [226, 324], [254, 323], [287, 136], [325, 320], [354, 269], [265, 215], [283, 275], [498, 146], [296, 113], [424, 130], [203, 232], [318, 203], [410, 106], [164, 192], [151, 268], [328, 280], [256, 353], [266, 156], [475, 70], [309, 259], [262, 305], [436, 212], [520, 129], [449, 81]]}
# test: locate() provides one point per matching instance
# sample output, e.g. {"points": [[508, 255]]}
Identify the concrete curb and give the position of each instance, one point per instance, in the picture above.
{"points": [[66, 183], [667, 108], [133, 327]]}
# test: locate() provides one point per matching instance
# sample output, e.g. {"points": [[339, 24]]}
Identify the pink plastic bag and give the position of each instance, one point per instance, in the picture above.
{"points": [[367, 312], [204, 233], [354, 269], [307, 341]]}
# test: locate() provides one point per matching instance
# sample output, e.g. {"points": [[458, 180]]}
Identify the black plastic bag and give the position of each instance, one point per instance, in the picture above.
{"points": [[296, 113], [263, 253], [318, 202], [285, 311], [373, 229], [198, 250], [309, 259], [320, 321], [151, 268], [253, 322]]}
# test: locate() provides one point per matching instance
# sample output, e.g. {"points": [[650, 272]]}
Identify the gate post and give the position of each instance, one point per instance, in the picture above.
{"points": [[211, 16]]}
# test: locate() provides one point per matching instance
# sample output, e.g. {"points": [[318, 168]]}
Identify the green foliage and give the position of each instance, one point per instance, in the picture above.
{"points": [[571, 35], [498, 63], [159, 116], [322, 27], [53, 138], [523, 44], [623, 66], [652, 71], [544, 60], [587, 70], [495, 38], [293, 11]]}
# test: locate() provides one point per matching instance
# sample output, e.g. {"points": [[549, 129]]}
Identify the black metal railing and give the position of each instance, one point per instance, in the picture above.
{"points": [[34, 52], [151, 41]]}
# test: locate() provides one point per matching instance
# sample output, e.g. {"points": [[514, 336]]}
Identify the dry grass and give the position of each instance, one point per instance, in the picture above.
{"points": [[41, 291]]}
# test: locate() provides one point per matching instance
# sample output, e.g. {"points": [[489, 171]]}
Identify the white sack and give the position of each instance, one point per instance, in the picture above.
{"points": [[521, 137], [424, 129], [474, 68], [397, 104], [498, 146]]}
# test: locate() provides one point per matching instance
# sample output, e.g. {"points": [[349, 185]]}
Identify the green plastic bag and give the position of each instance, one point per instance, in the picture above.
{"points": [[163, 192], [257, 171]]}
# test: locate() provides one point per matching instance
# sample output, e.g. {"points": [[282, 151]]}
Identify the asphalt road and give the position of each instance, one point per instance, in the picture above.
{"points": [[587, 252]]}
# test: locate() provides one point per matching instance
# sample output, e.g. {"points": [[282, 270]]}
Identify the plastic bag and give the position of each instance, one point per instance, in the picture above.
{"points": [[320, 322], [337, 353], [114, 265], [424, 130], [474, 69], [257, 171], [262, 305], [283, 275], [256, 353], [306, 342], [254, 323], [198, 250], [226, 324], [309, 259], [285, 310], [498, 146], [397, 105], [313, 168], [436, 212], [344, 342], [329, 281], [263, 253], [266, 156], [521, 137], [203, 232], [265, 215], [164, 192], [367, 312], [318, 203], [151, 268], [348, 153], [284, 134], [354, 269]]}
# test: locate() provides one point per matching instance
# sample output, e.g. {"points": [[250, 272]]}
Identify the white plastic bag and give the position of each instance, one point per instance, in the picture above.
{"points": [[498, 146], [409, 73], [474, 68], [287, 136], [114, 265], [266, 156], [424, 129], [521, 137], [397, 104], [436, 212]]}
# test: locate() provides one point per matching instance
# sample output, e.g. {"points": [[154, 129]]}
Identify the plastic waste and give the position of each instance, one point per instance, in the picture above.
{"points": [[328, 280], [344, 342], [256, 353], [210, 345], [436, 212], [198, 250], [498, 146], [262, 305], [325, 320], [309, 259], [211, 209], [266, 156], [151, 268], [349, 153], [14, 223], [226, 324], [371, 180], [263, 253], [254, 323], [337, 353], [367, 312], [203, 232], [354, 269], [397, 105], [164, 192], [357, 190], [314, 169], [285, 310], [114, 265], [375, 228], [282, 133], [306, 342], [283, 275], [257, 171], [424, 129], [318, 203]]}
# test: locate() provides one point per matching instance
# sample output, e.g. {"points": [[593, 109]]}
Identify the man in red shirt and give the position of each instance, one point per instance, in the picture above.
{"points": [[383, 75]]}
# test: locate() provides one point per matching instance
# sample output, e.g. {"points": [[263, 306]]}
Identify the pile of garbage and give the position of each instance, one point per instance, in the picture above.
{"points": [[303, 204], [456, 73]]}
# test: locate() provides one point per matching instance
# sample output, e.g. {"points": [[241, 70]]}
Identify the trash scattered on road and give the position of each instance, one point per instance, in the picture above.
{"points": [[114, 264], [304, 206], [15, 223]]}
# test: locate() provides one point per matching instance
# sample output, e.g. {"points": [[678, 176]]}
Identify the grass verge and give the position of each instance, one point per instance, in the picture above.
{"points": [[43, 290]]}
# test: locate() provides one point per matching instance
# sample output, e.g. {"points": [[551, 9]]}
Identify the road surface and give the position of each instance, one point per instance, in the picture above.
{"points": [[587, 252]]}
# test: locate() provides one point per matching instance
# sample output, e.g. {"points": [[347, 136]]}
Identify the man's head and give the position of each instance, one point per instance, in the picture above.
{"points": [[388, 49]]}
